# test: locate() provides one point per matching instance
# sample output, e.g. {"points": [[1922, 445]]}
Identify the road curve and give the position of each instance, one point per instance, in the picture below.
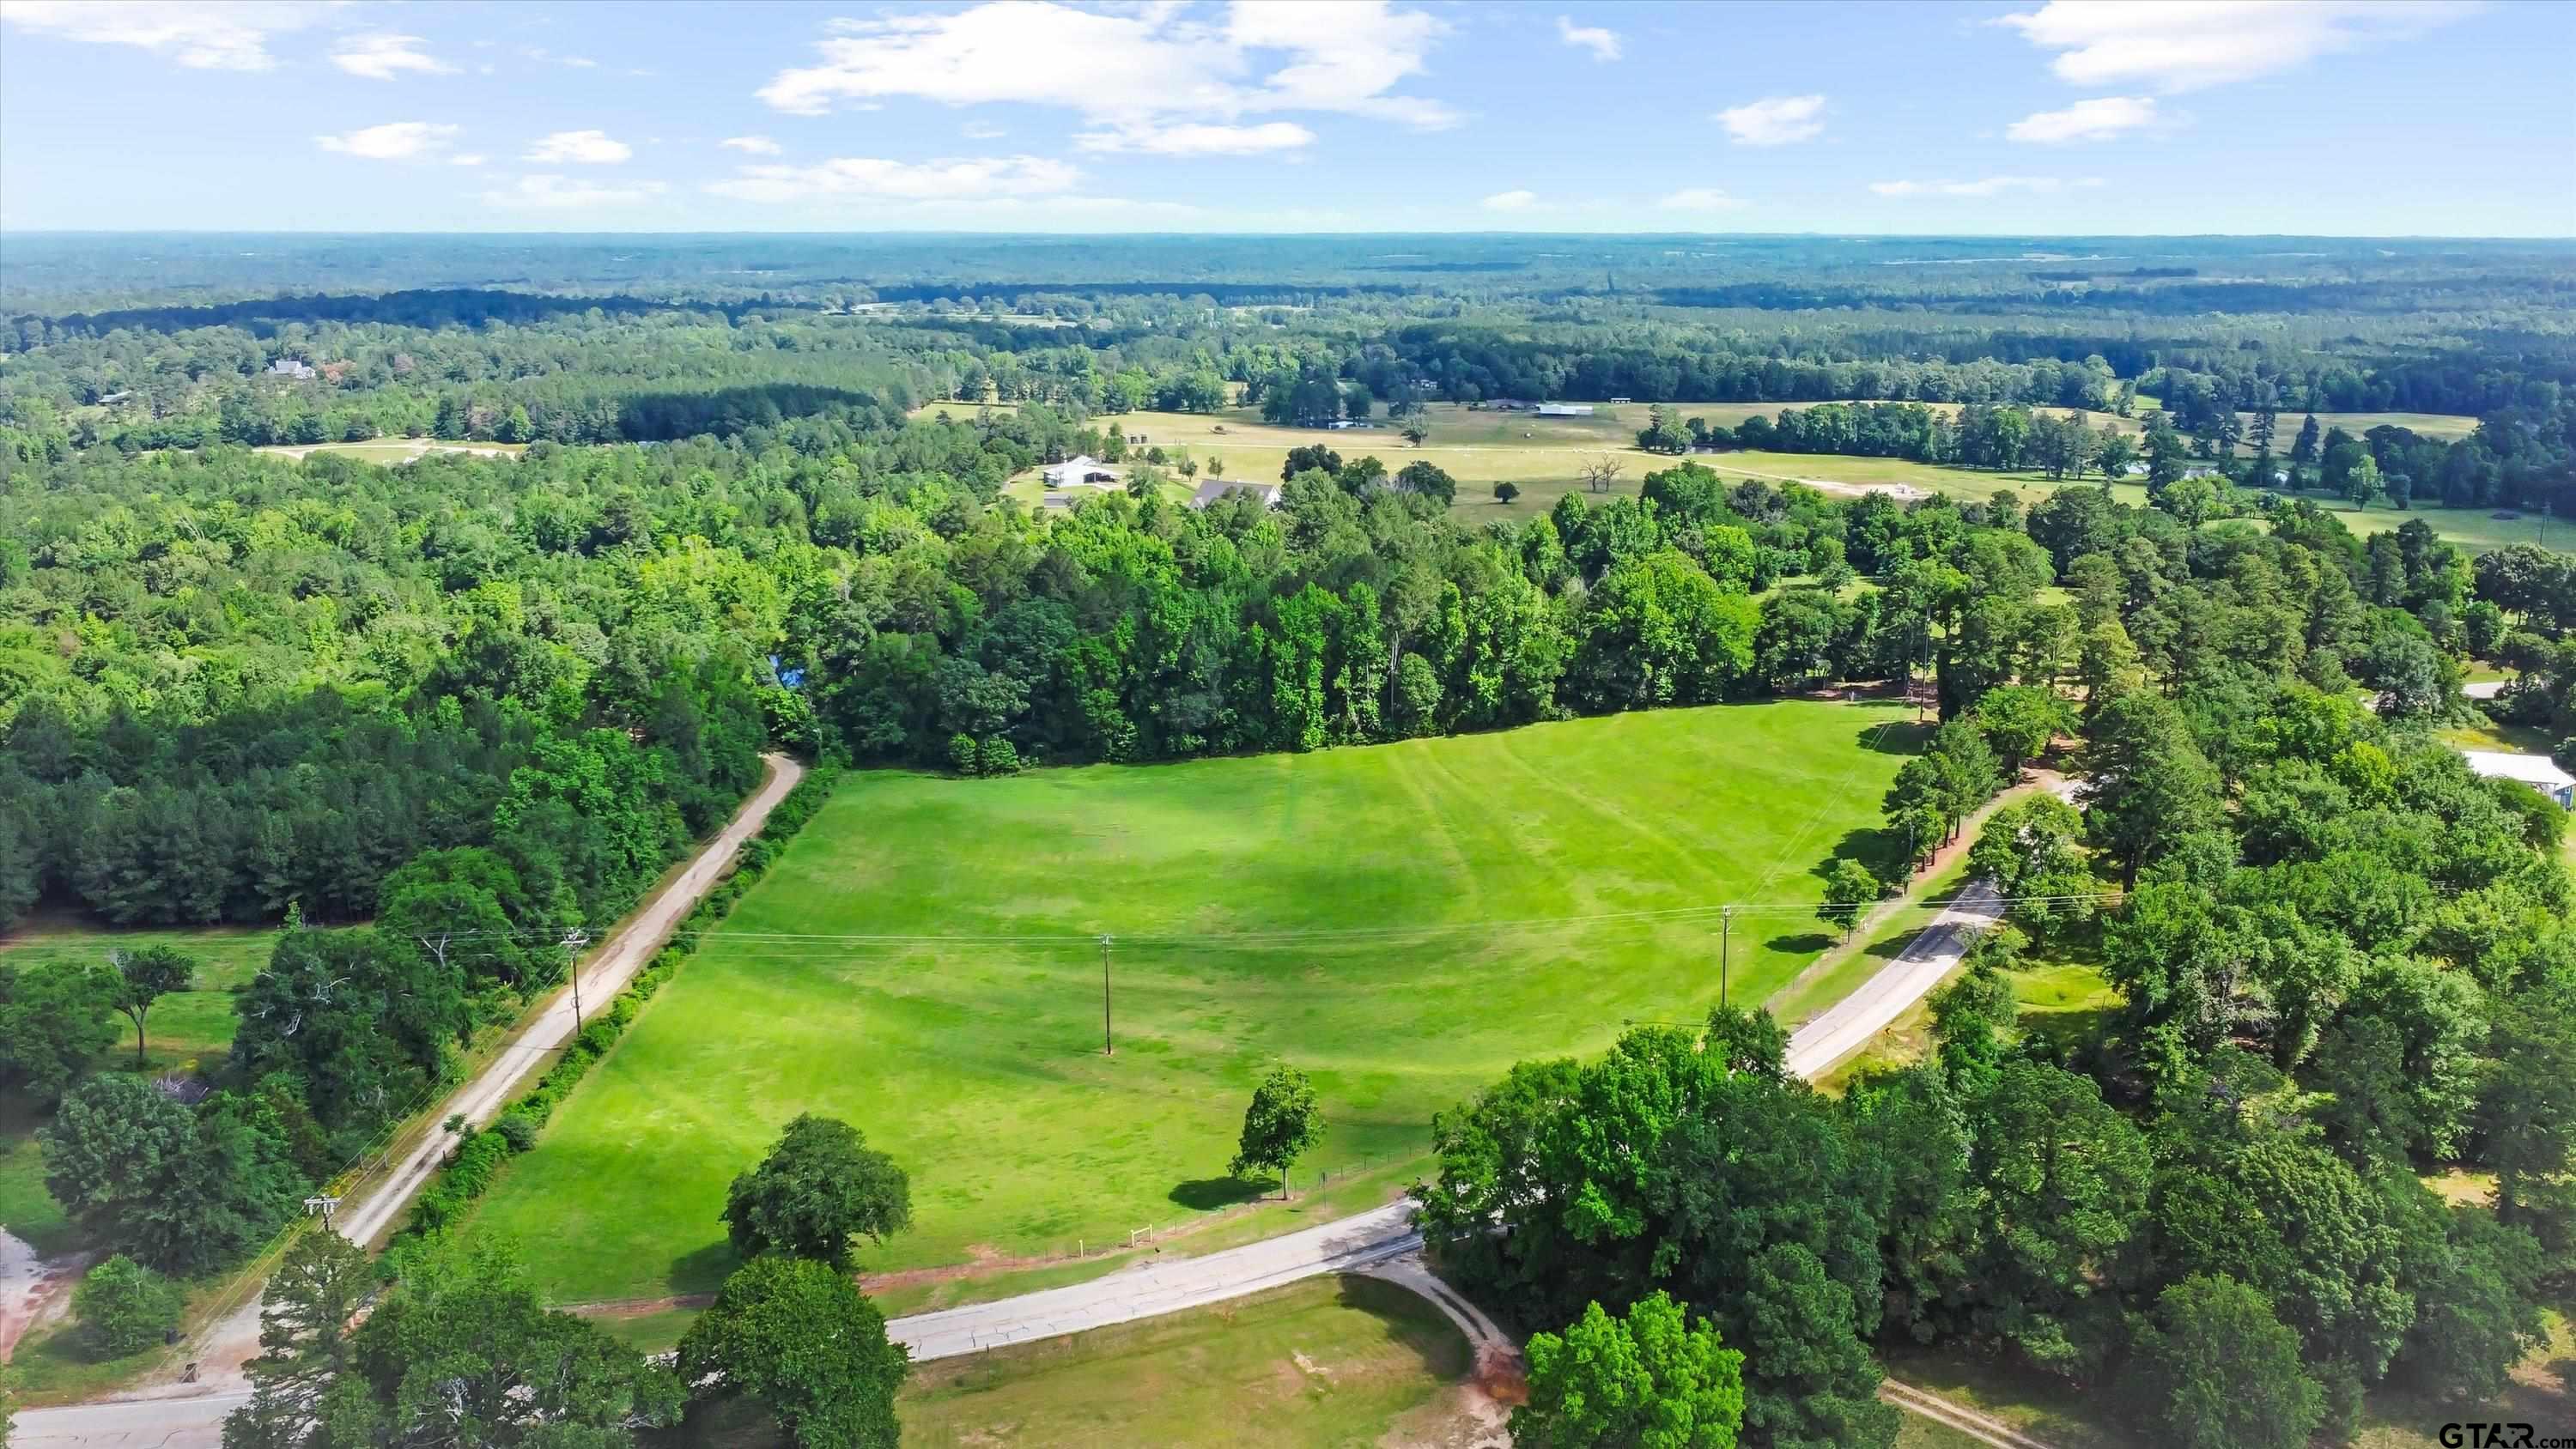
{"points": [[1159, 1285], [186, 1416]]}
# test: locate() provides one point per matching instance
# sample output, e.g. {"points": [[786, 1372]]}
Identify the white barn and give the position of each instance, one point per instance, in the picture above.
{"points": [[1082, 471], [1565, 410], [2537, 771]]}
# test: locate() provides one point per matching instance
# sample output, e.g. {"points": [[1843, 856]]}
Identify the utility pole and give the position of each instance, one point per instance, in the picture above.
{"points": [[1725, 941], [1108, 1043], [573, 941]]}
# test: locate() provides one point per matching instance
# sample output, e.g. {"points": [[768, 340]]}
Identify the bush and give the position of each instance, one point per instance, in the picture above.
{"points": [[2565, 754], [961, 754], [998, 757], [125, 1307], [516, 1128]]}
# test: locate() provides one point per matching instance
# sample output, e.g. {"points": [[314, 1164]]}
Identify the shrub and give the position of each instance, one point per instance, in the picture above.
{"points": [[125, 1307], [516, 1128], [998, 757], [961, 754]]}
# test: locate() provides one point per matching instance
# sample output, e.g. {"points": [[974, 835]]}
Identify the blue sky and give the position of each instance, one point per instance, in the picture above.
{"points": [[2377, 117]]}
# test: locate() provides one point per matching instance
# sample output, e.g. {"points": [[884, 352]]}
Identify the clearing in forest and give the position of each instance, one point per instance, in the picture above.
{"points": [[1404, 922]]}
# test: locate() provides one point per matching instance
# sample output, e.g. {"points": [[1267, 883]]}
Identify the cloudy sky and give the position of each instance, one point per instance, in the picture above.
{"points": [[2375, 117]]}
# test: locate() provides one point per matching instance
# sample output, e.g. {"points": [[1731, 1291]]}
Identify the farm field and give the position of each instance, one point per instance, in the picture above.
{"points": [[1542, 456], [1325, 1362], [1403, 922], [183, 1025]]}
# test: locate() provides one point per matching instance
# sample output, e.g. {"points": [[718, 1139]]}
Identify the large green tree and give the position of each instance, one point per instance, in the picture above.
{"points": [[819, 1191], [54, 1020], [2217, 1371], [797, 1338], [1647, 1379]]}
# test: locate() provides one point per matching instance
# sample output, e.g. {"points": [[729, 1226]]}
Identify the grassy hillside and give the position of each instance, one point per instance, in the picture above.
{"points": [[1417, 898]]}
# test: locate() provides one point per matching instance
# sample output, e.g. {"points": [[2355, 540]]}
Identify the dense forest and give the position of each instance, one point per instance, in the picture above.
{"points": [[479, 702]]}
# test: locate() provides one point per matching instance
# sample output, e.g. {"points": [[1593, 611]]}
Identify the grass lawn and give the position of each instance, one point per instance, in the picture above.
{"points": [[182, 1026], [976, 1060], [1329, 1361], [2064, 999]]}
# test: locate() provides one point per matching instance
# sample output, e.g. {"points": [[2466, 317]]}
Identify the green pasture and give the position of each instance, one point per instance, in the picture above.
{"points": [[1329, 1361], [1403, 922], [181, 1026], [1544, 457]]}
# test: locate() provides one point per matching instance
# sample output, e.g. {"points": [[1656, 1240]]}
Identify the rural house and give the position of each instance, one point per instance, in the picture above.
{"points": [[1080, 471], [2537, 771]]}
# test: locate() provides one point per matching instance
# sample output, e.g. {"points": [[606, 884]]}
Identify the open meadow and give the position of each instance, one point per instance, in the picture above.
{"points": [[1544, 458], [1403, 922]]}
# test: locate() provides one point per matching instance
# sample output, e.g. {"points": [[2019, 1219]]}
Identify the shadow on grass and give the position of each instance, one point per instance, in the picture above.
{"points": [[1207, 1194], [1901, 738], [1807, 944], [704, 1270], [1416, 1323]]}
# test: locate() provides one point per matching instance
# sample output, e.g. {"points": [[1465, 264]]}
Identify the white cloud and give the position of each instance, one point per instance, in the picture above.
{"points": [[1604, 44], [1140, 71], [1194, 138], [2094, 120], [980, 131], [1511, 201], [586, 148], [962, 179], [1701, 198], [1775, 120], [392, 141], [382, 57], [756, 145], [562, 193], [465, 160], [2184, 47], [199, 34], [1986, 186], [580, 62]]}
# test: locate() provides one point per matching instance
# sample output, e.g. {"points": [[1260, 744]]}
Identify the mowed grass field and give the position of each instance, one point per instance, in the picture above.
{"points": [[1403, 922], [1328, 1361], [181, 1026]]}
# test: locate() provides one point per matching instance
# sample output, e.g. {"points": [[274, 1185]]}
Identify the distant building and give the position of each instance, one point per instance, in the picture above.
{"points": [[296, 368], [1622, 399], [2537, 771], [1565, 410], [1083, 471], [1503, 405], [2136, 470], [1216, 488]]}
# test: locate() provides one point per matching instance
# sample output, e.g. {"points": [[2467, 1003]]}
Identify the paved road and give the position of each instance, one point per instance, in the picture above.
{"points": [[1163, 1285], [190, 1416], [1160, 1286], [1848, 1024]]}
